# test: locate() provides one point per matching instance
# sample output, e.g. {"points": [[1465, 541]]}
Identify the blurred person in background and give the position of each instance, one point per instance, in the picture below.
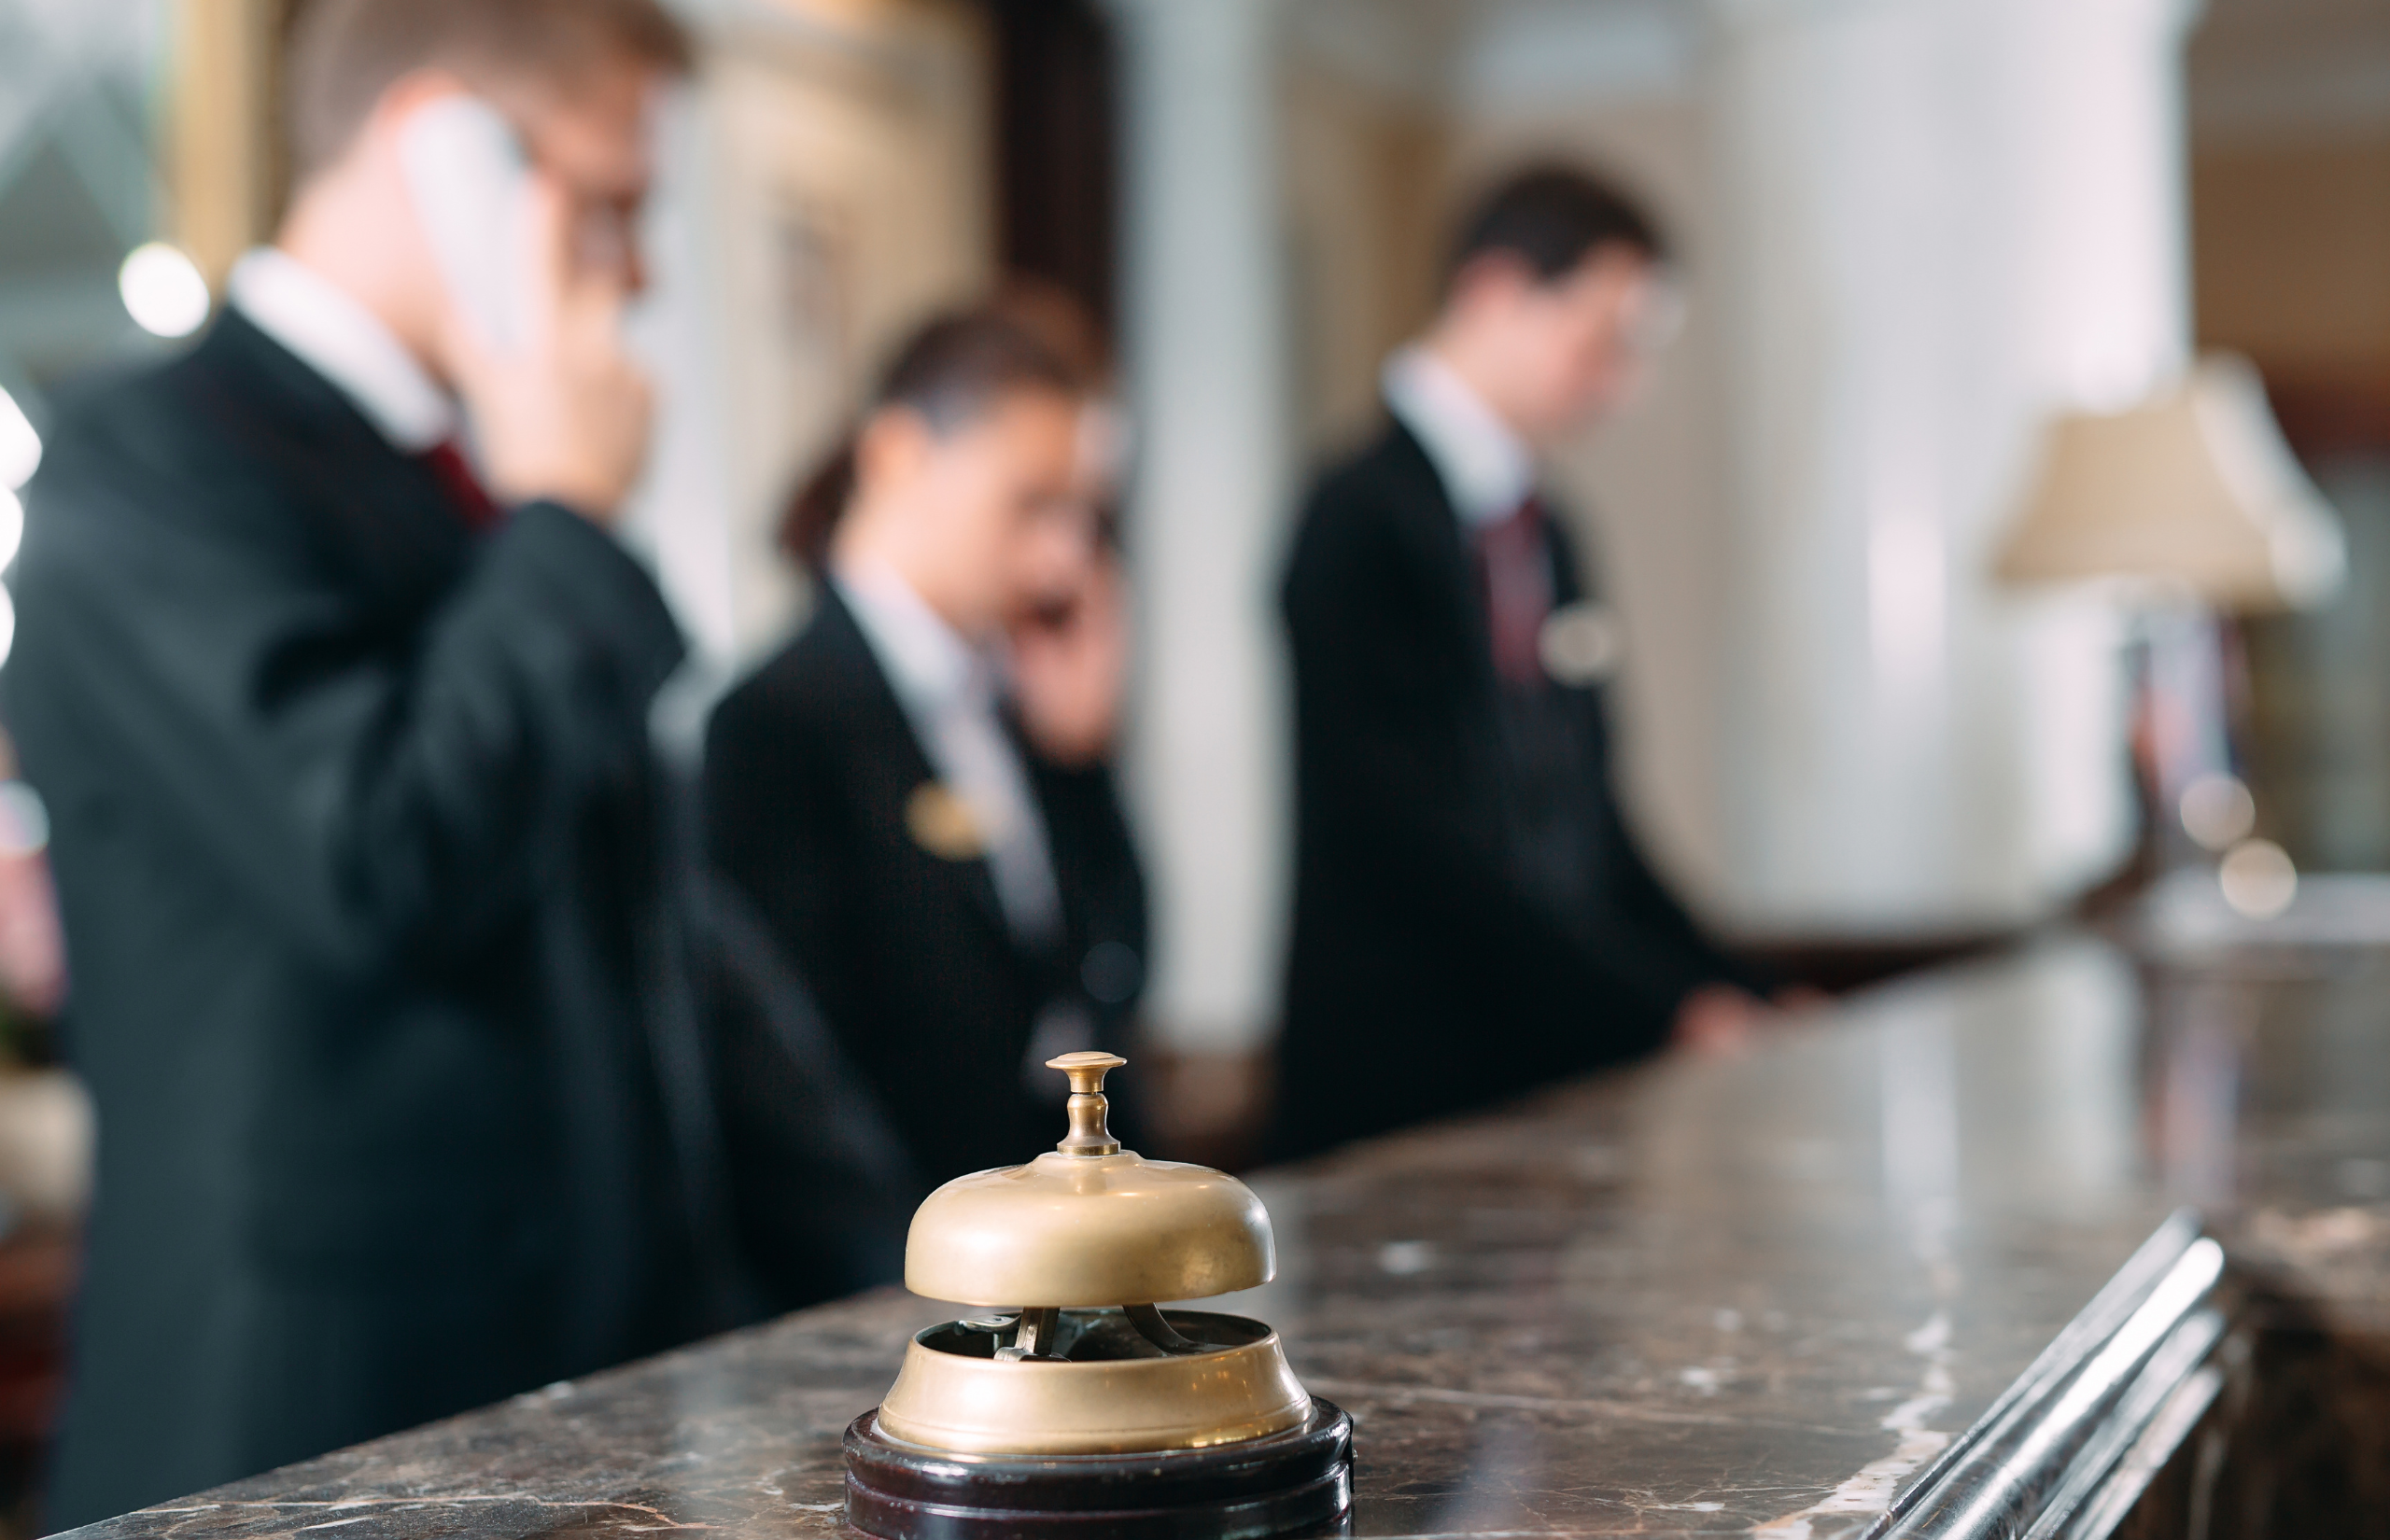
{"points": [[1472, 917], [915, 793], [344, 744]]}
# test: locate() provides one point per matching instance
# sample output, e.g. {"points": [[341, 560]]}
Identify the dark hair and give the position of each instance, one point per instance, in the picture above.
{"points": [[345, 53], [1551, 218], [949, 373]]}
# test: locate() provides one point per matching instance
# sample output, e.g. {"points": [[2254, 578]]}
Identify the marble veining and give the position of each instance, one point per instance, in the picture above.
{"points": [[1871, 1491], [1693, 1298]]}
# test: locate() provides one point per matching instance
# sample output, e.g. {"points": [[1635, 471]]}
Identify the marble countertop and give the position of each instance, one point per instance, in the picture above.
{"points": [[1691, 1298]]}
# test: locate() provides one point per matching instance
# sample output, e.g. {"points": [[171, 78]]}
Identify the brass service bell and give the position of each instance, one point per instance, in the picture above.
{"points": [[1072, 1390]]}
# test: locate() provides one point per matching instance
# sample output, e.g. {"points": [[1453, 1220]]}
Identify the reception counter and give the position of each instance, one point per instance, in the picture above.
{"points": [[1777, 1294]]}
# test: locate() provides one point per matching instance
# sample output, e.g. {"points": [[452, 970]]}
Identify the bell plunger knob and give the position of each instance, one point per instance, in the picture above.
{"points": [[1090, 1133]]}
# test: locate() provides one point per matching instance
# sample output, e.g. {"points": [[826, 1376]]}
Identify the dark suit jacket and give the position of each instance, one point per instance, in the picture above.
{"points": [[810, 765], [1472, 915], [352, 829]]}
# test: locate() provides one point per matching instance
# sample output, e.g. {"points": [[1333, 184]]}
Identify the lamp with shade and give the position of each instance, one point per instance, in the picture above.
{"points": [[2189, 507]]}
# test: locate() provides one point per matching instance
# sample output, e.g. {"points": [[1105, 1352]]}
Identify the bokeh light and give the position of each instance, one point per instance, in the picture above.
{"points": [[2258, 879], [163, 291], [2218, 811], [20, 445]]}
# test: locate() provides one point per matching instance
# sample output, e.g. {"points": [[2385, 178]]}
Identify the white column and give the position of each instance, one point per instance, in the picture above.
{"points": [[1945, 220], [1207, 755]]}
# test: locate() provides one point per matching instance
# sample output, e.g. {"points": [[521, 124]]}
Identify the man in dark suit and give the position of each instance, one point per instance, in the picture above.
{"points": [[347, 762], [914, 793], [1471, 914]]}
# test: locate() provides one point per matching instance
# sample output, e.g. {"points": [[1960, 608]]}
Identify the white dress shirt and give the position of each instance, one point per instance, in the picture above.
{"points": [[949, 689], [346, 344], [1488, 470]]}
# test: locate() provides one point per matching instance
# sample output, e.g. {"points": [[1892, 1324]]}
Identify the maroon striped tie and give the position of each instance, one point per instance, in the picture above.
{"points": [[466, 497], [1514, 575]]}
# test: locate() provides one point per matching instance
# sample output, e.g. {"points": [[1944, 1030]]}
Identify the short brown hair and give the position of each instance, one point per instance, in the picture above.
{"points": [[345, 53], [1552, 218], [950, 372]]}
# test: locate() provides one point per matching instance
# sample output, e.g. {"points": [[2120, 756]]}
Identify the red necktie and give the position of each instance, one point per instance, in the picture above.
{"points": [[466, 496], [1514, 573]]}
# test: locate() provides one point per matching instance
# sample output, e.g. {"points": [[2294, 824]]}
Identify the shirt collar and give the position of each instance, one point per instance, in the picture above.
{"points": [[340, 339], [1486, 468], [927, 661]]}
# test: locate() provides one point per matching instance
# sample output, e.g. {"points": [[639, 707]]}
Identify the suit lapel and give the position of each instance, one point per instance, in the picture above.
{"points": [[1431, 533], [885, 736], [379, 516]]}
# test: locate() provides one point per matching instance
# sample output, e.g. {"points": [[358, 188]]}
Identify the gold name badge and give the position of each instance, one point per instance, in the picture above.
{"points": [[943, 824], [1581, 644]]}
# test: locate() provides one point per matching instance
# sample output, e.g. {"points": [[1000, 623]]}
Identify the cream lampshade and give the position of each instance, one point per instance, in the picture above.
{"points": [[2195, 491]]}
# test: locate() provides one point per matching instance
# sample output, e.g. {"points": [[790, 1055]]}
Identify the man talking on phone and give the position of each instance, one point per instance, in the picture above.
{"points": [[337, 686]]}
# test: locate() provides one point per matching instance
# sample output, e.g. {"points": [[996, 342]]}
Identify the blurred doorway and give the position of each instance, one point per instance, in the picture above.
{"points": [[1057, 148]]}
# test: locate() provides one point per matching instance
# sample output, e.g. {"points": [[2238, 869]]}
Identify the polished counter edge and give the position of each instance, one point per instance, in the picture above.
{"points": [[2069, 1447]]}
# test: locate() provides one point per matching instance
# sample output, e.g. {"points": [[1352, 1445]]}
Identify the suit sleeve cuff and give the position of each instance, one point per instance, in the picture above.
{"points": [[609, 596]]}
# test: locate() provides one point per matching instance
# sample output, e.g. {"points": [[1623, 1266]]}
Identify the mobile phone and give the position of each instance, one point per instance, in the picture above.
{"points": [[472, 181]]}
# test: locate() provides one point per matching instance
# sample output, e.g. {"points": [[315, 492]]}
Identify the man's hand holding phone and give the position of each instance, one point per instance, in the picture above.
{"points": [[561, 413]]}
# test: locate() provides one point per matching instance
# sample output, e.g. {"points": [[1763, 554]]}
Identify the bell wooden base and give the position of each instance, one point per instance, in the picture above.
{"points": [[1299, 1482]]}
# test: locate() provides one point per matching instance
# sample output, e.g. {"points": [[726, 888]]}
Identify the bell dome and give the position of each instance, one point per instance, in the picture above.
{"points": [[1088, 1223]]}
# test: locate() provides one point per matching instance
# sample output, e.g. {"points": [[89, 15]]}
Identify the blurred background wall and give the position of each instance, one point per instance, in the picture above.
{"points": [[85, 162]]}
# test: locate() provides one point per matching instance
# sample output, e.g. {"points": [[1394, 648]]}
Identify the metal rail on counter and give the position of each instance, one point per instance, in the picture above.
{"points": [[2072, 1444]]}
